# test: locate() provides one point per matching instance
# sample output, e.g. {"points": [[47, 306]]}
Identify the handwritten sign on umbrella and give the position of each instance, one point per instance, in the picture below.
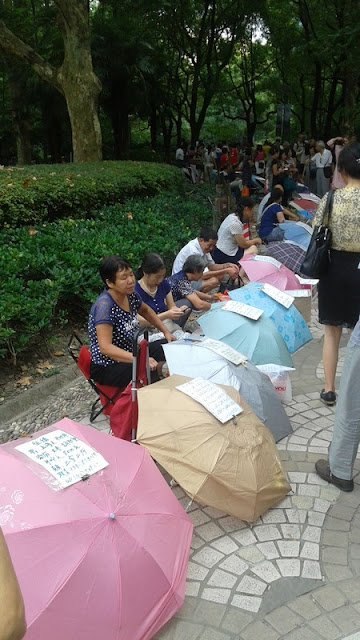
{"points": [[64, 455], [223, 349], [212, 397], [243, 309], [279, 296]]}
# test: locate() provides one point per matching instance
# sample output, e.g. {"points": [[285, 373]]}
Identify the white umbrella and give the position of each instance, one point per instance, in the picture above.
{"points": [[195, 359]]}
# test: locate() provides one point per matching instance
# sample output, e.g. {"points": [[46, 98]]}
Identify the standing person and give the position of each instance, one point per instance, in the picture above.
{"points": [[339, 287], [338, 469], [336, 144], [309, 172], [231, 244], [266, 149], [323, 163], [299, 149], [12, 614], [180, 156], [155, 291]]}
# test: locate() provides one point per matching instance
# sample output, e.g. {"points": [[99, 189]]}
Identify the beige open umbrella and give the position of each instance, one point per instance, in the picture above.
{"points": [[234, 468]]}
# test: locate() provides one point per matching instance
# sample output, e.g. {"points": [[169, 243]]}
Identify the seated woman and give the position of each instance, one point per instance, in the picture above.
{"points": [[113, 323], [231, 244], [155, 291], [181, 288], [272, 215]]}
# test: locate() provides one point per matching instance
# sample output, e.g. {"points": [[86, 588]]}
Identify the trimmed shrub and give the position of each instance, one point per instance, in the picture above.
{"points": [[50, 272], [31, 195]]}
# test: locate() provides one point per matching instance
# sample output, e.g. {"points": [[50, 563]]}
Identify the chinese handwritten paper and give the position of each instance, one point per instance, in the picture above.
{"points": [[276, 263], [212, 397], [64, 455], [224, 350], [280, 296], [243, 309]]}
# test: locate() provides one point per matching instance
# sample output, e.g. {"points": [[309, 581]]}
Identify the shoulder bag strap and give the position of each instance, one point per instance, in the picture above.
{"points": [[328, 208]]}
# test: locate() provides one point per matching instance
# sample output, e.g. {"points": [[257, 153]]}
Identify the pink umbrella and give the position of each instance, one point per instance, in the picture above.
{"points": [[102, 558], [263, 271]]}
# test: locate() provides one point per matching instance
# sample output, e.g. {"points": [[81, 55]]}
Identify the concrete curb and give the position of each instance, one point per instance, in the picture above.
{"points": [[28, 400]]}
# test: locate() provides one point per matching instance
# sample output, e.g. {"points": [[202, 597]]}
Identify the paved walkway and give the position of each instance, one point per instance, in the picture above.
{"points": [[295, 573]]}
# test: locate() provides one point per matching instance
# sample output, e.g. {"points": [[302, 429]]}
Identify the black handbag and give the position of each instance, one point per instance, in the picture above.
{"points": [[317, 257], [327, 171]]}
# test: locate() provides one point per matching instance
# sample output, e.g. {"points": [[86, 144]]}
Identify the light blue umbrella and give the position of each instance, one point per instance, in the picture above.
{"points": [[256, 339], [288, 322], [297, 233]]}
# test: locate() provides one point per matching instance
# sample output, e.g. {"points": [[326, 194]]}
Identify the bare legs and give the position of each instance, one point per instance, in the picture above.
{"points": [[330, 355]]}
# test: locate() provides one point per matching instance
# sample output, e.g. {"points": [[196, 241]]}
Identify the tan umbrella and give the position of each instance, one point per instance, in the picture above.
{"points": [[234, 468]]}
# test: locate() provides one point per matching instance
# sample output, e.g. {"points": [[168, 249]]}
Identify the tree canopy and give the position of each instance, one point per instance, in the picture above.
{"points": [[80, 78]]}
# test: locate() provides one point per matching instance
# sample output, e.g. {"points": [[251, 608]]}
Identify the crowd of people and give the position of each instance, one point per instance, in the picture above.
{"points": [[308, 160], [150, 298]]}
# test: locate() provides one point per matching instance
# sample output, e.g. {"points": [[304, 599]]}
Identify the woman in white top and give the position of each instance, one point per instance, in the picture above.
{"points": [[231, 244], [322, 159]]}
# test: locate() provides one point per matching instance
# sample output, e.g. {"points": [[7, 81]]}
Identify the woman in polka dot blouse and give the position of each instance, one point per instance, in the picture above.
{"points": [[113, 322]]}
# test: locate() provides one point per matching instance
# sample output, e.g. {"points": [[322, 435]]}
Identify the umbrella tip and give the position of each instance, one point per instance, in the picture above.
{"points": [[112, 516]]}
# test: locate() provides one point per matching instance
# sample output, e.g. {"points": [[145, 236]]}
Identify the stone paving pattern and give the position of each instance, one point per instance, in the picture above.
{"points": [[295, 572]]}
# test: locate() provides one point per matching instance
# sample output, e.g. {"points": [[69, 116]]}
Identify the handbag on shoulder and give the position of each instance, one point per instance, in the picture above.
{"points": [[317, 257]]}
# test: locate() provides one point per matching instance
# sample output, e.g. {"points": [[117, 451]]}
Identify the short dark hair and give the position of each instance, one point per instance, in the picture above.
{"points": [[244, 201], [208, 234], [109, 266], [151, 263], [275, 195], [194, 264], [274, 149], [349, 160]]}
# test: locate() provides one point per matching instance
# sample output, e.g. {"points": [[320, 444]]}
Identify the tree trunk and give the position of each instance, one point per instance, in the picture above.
{"points": [[75, 78], [21, 123], [80, 85], [153, 127]]}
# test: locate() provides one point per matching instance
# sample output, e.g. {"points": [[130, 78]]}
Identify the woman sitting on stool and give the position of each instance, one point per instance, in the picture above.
{"points": [[113, 323]]}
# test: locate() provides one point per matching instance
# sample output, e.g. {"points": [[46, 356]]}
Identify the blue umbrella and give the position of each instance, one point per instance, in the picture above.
{"points": [[297, 233], [288, 322], [256, 339]]}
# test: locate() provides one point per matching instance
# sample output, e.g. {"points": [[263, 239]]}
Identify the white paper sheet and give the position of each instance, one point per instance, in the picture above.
{"points": [[212, 397], [224, 350], [273, 261], [299, 293], [65, 456], [280, 296], [243, 309], [308, 281]]}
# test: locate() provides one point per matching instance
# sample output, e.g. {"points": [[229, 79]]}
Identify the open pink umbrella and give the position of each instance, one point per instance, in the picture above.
{"points": [[264, 271], [103, 558]]}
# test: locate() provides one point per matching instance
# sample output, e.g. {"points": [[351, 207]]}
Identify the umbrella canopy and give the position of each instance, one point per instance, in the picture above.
{"points": [[260, 271], [256, 339], [289, 322], [289, 254], [103, 558], [195, 359], [298, 232], [234, 468]]}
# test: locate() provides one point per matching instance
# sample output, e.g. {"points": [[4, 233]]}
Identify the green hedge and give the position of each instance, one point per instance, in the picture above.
{"points": [[30, 195], [49, 272]]}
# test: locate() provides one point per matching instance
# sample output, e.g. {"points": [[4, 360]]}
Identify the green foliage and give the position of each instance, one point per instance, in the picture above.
{"points": [[31, 195], [50, 272]]}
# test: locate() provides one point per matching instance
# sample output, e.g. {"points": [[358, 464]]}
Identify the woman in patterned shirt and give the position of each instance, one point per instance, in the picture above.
{"points": [[339, 288], [113, 322]]}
